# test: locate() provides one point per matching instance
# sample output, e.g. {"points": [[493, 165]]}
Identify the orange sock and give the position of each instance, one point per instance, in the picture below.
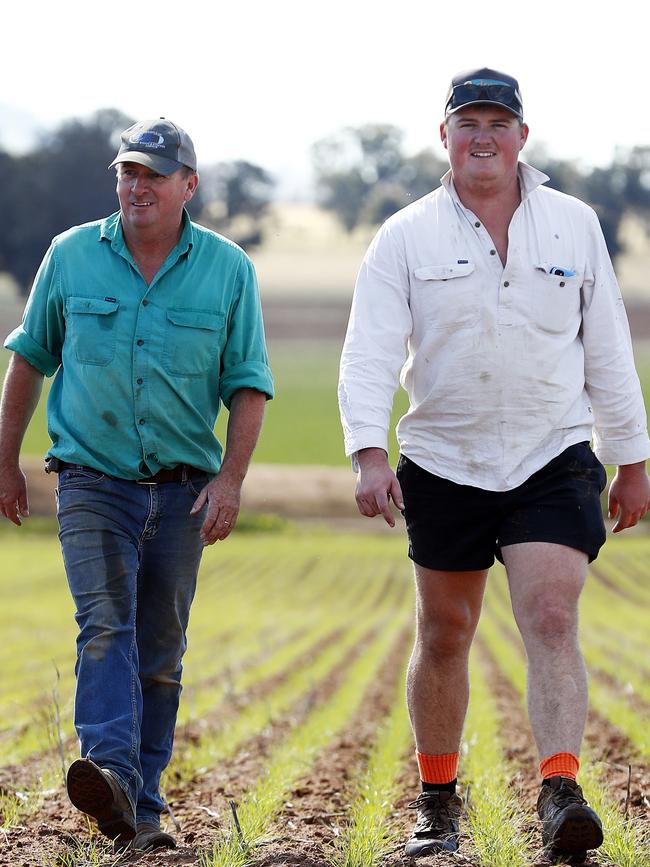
{"points": [[437, 769], [559, 765]]}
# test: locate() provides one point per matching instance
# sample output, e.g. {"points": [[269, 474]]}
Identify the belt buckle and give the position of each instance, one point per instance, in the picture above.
{"points": [[145, 482]]}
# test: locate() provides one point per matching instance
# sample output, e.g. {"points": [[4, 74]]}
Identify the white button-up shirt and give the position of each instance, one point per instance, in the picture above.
{"points": [[505, 367]]}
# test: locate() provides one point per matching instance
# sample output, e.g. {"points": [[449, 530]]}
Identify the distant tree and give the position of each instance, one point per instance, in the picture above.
{"points": [[363, 175], [238, 195], [613, 191], [63, 182]]}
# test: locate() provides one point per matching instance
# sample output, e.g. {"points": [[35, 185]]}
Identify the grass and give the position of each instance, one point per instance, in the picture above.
{"points": [[290, 762], [367, 836], [15, 807], [219, 743], [327, 608], [626, 841], [497, 823], [92, 851]]}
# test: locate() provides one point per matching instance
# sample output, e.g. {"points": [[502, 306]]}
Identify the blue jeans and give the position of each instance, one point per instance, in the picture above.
{"points": [[131, 554]]}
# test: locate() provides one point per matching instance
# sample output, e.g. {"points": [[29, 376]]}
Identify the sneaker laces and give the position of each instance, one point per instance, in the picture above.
{"points": [[433, 811], [567, 794]]}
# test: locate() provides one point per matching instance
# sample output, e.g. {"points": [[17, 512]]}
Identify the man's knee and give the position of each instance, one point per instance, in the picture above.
{"points": [[550, 621], [445, 636]]}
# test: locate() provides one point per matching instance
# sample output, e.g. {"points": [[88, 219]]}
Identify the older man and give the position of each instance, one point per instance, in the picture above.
{"points": [[499, 295], [149, 322]]}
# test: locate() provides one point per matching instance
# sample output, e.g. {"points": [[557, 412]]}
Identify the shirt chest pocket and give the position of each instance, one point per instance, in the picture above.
{"points": [[90, 329], [193, 339], [556, 303], [445, 295]]}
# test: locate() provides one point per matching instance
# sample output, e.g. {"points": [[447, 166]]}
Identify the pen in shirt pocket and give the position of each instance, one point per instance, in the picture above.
{"points": [[555, 270], [560, 271]]}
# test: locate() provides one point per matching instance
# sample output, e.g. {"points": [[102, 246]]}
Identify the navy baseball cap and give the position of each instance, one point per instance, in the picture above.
{"points": [[484, 86], [158, 144]]}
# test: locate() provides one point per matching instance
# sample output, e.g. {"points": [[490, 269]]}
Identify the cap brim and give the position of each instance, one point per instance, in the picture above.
{"points": [[159, 164], [486, 102]]}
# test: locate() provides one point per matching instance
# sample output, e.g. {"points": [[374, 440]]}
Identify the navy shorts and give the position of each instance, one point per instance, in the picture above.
{"points": [[460, 528]]}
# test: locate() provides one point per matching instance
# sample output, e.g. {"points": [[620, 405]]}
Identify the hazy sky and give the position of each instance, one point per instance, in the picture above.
{"points": [[263, 80]]}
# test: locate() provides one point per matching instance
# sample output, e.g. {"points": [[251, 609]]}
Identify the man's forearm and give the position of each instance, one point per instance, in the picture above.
{"points": [[244, 425], [20, 394]]}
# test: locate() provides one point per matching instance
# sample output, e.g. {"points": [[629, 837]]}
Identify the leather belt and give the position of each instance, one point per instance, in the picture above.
{"points": [[179, 473]]}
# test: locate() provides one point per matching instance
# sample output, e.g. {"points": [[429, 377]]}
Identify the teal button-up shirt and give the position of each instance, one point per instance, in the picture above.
{"points": [[141, 371]]}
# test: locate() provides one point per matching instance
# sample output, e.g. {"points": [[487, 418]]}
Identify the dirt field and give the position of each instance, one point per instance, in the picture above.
{"points": [[310, 821]]}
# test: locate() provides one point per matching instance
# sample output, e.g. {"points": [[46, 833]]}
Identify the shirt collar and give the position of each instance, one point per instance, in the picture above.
{"points": [[111, 230], [529, 179]]}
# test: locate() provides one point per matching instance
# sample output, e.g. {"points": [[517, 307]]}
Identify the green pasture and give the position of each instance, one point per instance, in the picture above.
{"points": [[302, 423]]}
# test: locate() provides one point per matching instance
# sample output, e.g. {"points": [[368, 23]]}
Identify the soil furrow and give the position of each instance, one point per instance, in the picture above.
{"points": [[200, 804], [312, 817], [607, 746]]}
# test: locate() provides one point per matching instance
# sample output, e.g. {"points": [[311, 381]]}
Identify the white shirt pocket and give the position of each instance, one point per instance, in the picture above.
{"points": [[556, 306], [445, 295]]}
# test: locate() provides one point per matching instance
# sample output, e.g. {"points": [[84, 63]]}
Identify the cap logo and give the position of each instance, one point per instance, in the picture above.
{"points": [[485, 82], [148, 140]]}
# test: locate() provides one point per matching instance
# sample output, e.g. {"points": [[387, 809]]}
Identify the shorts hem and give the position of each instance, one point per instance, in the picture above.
{"points": [[445, 568], [591, 554]]}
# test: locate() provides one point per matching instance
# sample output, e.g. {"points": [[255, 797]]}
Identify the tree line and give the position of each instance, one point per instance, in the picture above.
{"points": [[362, 175], [64, 181]]}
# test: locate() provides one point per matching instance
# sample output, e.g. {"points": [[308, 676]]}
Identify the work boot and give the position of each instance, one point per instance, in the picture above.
{"points": [[148, 837], [569, 825], [436, 829], [96, 791]]}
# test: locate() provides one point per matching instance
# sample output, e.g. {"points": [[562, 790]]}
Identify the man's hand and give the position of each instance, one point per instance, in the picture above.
{"points": [[377, 485], [629, 495], [13, 494], [20, 393], [222, 495]]}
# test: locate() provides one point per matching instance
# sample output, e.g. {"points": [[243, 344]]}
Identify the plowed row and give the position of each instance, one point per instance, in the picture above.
{"points": [[293, 700]]}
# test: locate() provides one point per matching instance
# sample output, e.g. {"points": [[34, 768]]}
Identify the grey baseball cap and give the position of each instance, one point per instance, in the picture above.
{"points": [[158, 144]]}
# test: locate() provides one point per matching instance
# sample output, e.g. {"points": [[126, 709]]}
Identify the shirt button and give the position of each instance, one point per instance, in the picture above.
{"points": [[562, 283], [505, 283], [139, 380], [477, 224], [140, 342], [493, 252], [141, 421], [145, 302]]}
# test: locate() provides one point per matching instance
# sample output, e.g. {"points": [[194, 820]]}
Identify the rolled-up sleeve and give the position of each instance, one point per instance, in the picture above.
{"points": [[375, 346], [244, 361], [620, 424], [39, 338]]}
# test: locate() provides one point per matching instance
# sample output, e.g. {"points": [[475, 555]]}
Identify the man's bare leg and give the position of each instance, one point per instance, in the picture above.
{"points": [[448, 607], [545, 584]]}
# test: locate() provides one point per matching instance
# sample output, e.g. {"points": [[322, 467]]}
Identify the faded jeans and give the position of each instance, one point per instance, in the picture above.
{"points": [[131, 554]]}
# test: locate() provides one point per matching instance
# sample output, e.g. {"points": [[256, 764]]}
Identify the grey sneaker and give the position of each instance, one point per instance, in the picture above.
{"points": [[96, 791], [437, 825], [569, 825]]}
